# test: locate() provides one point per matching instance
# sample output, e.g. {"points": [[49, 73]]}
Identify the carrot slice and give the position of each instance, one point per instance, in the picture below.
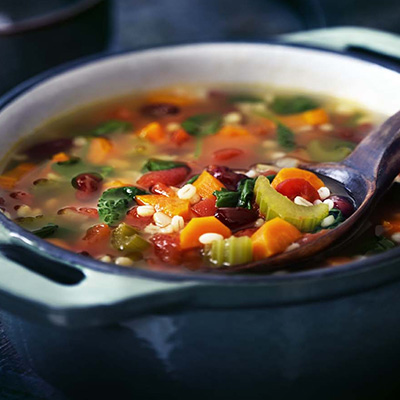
{"points": [[196, 227], [153, 132], [273, 238], [166, 96], [206, 185], [60, 157], [9, 179], [179, 137], [168, 205], [99, 150], [233, 130], [297, 173], [317, 116]]}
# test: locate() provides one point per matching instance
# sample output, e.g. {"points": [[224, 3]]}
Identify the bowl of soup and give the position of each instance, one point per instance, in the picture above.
{"points": [[132, 186]]}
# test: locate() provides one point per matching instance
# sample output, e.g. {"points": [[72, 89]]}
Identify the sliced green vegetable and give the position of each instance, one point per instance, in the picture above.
{"points": [[329, 150], [111, 126], [285, 105], [231, 251], [125, 237], [202, 124], [46, 231], [285, 137], [115, 202], [273, 204], [154, 164], [244, 98]]}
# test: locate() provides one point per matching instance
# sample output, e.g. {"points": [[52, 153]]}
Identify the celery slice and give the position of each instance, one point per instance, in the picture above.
{"points": [[232, 251], [125, 237], [273, 204]]}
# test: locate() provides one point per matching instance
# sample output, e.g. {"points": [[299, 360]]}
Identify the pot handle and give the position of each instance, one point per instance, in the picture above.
{"points": [[79, 296], [344, 38]]}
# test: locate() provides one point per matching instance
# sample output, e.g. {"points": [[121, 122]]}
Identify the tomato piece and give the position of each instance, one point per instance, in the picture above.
{"points": [[97, 234], [227, 154], [133, 219], [164, 190], [179, 137], [167, 248], [205, 207], [170, 177], [294, 187]]}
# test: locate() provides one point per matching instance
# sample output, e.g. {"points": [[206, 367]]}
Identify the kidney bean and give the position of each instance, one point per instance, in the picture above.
{"points": [[159, 109], [47, 149], [225, 175], [235, 218], [344, 204], [88, 182]]}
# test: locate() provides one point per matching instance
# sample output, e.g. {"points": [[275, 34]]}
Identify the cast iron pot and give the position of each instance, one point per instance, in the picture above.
{"points": [[95, 330]]}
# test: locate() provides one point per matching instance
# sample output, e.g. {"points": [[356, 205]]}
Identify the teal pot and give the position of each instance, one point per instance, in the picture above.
{"points": [[95, 330]]}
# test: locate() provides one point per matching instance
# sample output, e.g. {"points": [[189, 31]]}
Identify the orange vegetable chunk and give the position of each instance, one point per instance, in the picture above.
{"points": [[153, 132], [206, 185], [196, 227], [99, 150], [60, 157], [169, 205], [294, 173], [273, 238], [9, 179], [317, 116], [233, 130]]}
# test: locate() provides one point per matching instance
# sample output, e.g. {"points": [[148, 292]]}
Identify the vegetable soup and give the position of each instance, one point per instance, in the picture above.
{"points": [[191, 177]]}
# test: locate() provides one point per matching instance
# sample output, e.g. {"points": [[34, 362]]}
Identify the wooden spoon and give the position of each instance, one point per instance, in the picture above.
{"points": [[366, 175]]}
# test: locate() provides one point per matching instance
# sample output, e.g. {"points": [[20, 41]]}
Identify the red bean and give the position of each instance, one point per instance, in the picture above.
{"points": [[344, 204], [235, 218], [88, 182], [225, 175], [159, 109], [167, 248], [47, 149]]}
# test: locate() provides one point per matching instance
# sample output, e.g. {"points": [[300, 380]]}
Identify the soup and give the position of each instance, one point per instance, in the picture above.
{"points": [[191, 177]]}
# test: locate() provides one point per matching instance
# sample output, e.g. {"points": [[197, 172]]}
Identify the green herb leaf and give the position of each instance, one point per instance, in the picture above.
{"points": [[246, 190], [244, 98], [154, 164], [241, 198], [202, 124], [337, 214], [285, 105], [115, 202], [270, 178], [111, 126], [226, 198], [46, 230], [378, 244], [192, 179], [285, 137]]}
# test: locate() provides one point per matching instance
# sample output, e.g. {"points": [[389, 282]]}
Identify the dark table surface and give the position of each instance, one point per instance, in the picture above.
{"points": [[145, 23]]}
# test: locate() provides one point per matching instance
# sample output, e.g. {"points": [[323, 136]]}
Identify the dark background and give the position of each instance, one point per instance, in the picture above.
{"points": [[29, 46]]}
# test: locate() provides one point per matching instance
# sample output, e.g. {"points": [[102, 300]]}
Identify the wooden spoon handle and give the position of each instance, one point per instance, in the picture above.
{"points": [[377, 157]]}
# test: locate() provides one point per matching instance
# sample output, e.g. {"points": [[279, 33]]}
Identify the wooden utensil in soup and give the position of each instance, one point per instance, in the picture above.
{"points": [[366, 175]]}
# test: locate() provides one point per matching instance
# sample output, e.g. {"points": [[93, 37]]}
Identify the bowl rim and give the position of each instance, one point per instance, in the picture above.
{"points": [[20, 236]]}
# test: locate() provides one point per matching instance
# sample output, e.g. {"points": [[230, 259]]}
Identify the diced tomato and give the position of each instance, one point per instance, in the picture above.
{"points": [[97, 234], [133, 219], [167, 248], [170, 177], [205, 207], [227, 154], [179, 137], [161, 188], [294, 187]]}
